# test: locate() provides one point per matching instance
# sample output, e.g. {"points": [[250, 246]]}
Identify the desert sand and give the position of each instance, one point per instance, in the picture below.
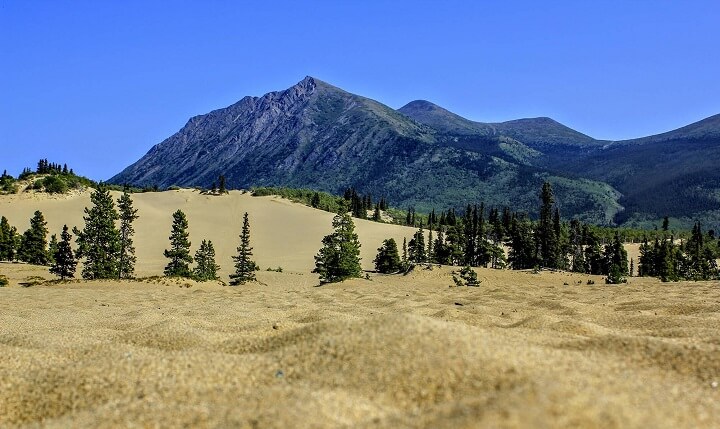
{"points": [[520, 350]]}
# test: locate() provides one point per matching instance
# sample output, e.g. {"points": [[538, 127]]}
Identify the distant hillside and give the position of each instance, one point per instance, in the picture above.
{"points": [[314, 135]]}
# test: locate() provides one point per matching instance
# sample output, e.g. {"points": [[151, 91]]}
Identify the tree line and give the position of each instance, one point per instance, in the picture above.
{"points": [[470, 239], [105, 245]]}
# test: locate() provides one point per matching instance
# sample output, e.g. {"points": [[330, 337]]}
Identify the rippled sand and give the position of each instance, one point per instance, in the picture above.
{"points": [[521, 350]]}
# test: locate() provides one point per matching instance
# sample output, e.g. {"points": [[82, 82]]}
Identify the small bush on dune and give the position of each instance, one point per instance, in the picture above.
{"points": [[3, 281]]}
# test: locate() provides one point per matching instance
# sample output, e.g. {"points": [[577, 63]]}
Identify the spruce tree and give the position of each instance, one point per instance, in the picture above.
{"points": [[404, 261], [376, 214], [244, 265], [388, 260], [8, 240], [205, 266], [616, 261], [547, 238], [339, 258], [441, 252], [221, 188], [65, 263], [33, 245], [522, 244], [179, 252], [126, 254], [52, 248], [416, 247], [99, 242]]}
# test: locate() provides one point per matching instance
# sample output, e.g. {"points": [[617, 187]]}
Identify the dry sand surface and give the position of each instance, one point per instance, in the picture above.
{"points": [[521, 350]]}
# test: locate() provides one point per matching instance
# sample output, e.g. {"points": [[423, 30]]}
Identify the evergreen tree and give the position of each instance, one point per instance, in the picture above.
{"points": [[430, 243], [667, 261], [616, 261], [52, 248], [404, 261], [179, 252], [575, 243], [454, 242], [546, 232], [205, 268], [99, 242], [376, 213], [594, 256], [416, 247], [8, 240], [315, 202], [126, 254], [244, 265], [221, 188], [646, 262], [441, 251], [33, 247], [522, 244], [339, 258], [65, 263], [388, 260]]}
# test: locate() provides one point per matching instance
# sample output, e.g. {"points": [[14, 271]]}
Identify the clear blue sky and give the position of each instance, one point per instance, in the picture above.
{"points": [[97, 83]]}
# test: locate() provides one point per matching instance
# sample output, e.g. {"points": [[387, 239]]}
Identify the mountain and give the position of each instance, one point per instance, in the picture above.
{"points": [[674, 173], [318, 136]]}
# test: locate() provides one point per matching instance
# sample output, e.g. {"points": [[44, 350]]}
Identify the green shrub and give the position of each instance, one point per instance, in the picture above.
{"points": [[54, 185], [3, 281]]}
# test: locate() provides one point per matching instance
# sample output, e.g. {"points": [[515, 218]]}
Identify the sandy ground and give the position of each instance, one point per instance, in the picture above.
{"points": [[522, 350]]}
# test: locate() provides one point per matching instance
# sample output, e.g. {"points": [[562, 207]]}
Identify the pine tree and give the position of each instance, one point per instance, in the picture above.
{"points": [[593, 255], [388, 259], [65, 263], [8, 240], [205, 268], [404, 261], [126, 254], [616, 261], [52, 248], [339, 258], [33, 247], [376, 213], [416, 247], [430, 243], [99, 242], [522, 244], [547, 238], [221, 188], [179, 252], [441, 252], [244, 265]]}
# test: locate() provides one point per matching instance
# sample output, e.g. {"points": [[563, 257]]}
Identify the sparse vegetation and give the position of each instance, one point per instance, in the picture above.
{"points": [[179, 252], [339, 258], [245, 267]]}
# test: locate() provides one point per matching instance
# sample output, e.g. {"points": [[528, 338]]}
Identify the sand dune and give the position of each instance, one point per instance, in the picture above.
{"points": [[521, 350], [282, 233]]}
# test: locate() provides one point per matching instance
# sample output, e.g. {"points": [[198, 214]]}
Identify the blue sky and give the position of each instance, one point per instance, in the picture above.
{"points": [[96, 84]]}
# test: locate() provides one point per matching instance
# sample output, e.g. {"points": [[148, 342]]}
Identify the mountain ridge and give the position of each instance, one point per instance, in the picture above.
{"points": [[317, 135]]}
